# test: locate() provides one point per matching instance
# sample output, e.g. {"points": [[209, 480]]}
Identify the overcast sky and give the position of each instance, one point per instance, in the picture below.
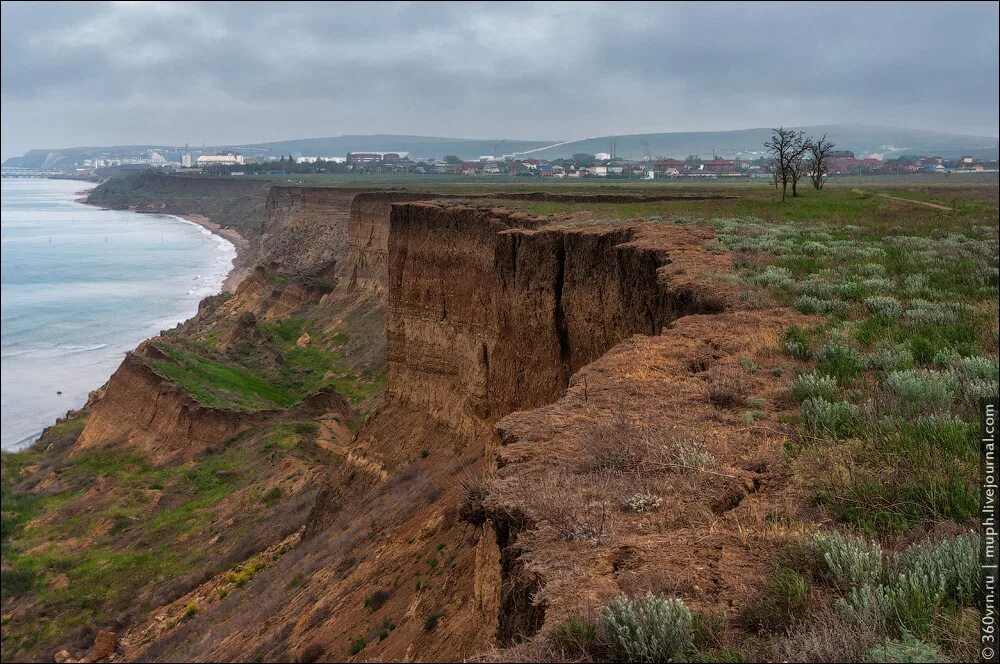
{"points": [[174, 73]]}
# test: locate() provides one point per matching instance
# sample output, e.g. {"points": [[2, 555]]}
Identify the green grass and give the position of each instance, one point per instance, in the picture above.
{"points": [[914, 287], [220, 385], [149, 509]]}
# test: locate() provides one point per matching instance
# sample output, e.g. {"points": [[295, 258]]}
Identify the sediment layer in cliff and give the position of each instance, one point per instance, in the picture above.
{"points": [[489, 312]]}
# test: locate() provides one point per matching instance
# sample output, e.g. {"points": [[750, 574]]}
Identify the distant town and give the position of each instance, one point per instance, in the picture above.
{"points": [[600, 165]]}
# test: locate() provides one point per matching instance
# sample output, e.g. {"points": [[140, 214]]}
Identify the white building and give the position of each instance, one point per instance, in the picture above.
{"points": [[220, 159], [186, 160], [602, 156]]}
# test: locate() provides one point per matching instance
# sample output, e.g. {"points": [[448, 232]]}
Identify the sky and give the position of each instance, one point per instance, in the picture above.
{"points": [[230, 73]]}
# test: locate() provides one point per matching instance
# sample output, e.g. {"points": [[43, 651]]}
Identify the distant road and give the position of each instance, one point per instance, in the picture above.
{"points": [[920, 203]]}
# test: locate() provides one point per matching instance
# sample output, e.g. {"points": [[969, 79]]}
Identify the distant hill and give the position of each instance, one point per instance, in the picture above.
{"points": [[862, 139], [417, 146], [334, 146]]}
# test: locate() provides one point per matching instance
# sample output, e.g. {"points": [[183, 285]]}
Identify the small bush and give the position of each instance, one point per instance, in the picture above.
{"points": [[358, 644], [891, 357], [647, 629], [432, 621], [774, 276], [952, 564], [834, 419], [689, 454], [885, 306], [796, 343], [642, 502], [813, 385], [576, 635], [840, 361], [190, 610], [909, 649], [919, 389], [849, 561], [905, 605], [377, 599]]}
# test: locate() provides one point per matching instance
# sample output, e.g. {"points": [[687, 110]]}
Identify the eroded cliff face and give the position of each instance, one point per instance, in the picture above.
{"points": [[490, 312], [306, 227], [144, 412], [367, 265], [489, 316]]}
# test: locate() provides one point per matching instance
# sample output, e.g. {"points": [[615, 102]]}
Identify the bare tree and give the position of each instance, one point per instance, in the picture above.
{"points": [[818, 163], [797, 167], [787, 147]]}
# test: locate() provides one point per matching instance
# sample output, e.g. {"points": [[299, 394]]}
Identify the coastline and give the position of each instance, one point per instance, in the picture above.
{"points": [[240, 269], [237, 272]]}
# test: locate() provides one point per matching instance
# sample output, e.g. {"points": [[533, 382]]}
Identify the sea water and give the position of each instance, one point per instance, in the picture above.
{"points": [[80, 286]]}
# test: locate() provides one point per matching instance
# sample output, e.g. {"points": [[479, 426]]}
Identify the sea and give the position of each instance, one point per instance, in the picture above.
{"points": [[80, 286]]}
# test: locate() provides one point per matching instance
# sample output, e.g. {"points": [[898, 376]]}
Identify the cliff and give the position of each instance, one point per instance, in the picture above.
{"points": [[504, 340]]}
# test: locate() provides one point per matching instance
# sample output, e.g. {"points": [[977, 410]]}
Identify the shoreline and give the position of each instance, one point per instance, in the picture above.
{"points": [[238, 271]]}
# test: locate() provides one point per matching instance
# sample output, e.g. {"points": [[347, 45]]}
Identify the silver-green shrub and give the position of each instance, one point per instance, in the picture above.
{"points": [[904, 605], [642, 502], [891, 357], [849, 561], [917, 388], [883, 305], [837, 419], [952, 564], [646, 629], [907, 649], [775, 276], [813, 385]]}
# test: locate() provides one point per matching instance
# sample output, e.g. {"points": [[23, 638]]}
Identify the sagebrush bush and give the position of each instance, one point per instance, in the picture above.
{"points": [[871, 270], [690, 454], [891, 357], [965, 368], [907, 649], [884, 305], [836, 419], [849, 561], [923, 312], [796, 343], [840, 361], [904, 605], [809, 304], [774, 276], [952, 564], [813, 386], [918, 389], [646, 629]]}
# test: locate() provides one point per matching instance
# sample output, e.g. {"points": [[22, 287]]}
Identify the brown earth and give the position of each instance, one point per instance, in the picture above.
{"points": [[491, 316], [469, 503]]}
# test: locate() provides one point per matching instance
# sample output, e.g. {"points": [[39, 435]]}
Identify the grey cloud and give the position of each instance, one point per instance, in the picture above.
{"points": [[82, 73]]}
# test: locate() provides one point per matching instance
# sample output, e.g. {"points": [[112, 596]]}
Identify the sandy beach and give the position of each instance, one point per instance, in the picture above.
{"points": [[240, 269]]}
